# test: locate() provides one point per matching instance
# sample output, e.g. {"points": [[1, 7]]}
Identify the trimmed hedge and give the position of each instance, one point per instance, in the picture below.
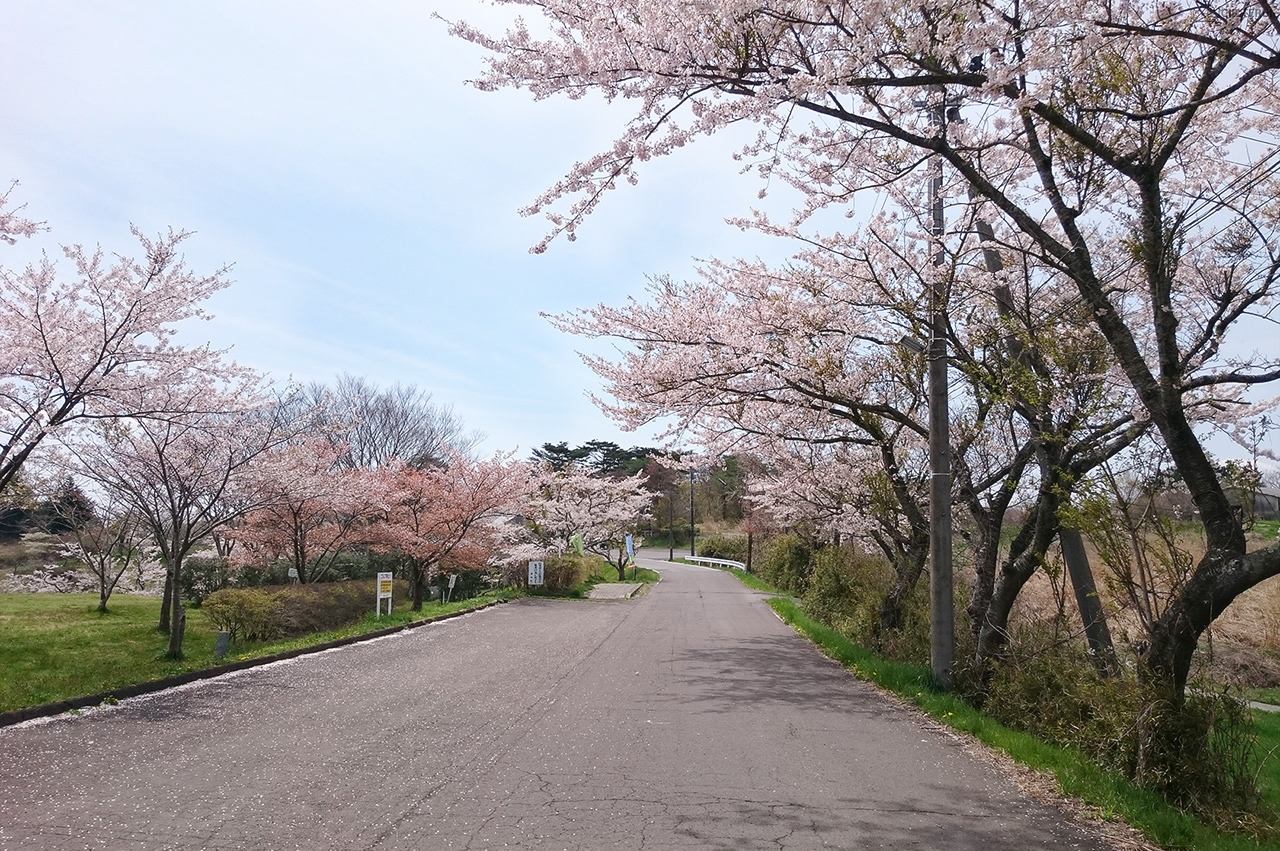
{"points": [[257, 614], [249, 614]]}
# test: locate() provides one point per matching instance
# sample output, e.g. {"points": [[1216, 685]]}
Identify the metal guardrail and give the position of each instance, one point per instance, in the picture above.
{"points": [[722, 562]]}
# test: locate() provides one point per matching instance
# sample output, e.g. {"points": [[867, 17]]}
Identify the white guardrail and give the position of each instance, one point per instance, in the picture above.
{"points": [[714, 562]]}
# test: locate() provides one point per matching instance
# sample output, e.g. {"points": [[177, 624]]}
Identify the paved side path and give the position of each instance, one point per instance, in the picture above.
{"points": [[688, 718], [614, 590]]}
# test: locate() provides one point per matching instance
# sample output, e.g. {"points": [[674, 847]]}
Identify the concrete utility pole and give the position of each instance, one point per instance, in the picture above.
{"points": [[692, 535], [942, 641], [671, 524]]}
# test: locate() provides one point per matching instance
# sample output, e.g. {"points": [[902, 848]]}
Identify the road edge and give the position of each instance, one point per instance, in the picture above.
{"points": [[57, 707]]}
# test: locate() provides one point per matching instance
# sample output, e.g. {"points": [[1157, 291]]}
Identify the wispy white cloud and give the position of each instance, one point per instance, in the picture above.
{"points": [[367, 197]]}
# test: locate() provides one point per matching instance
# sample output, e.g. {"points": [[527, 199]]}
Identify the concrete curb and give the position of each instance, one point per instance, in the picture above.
{"points": [[57, 707]]}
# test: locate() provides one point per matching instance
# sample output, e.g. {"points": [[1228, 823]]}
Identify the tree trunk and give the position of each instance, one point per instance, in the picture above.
{"points": [[986, 555], [417, 577], [177, 614], [167, 600], [892, 608], [1026, 554]]}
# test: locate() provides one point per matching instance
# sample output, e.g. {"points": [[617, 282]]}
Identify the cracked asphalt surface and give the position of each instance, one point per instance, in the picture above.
{"points": [[690, 717]]}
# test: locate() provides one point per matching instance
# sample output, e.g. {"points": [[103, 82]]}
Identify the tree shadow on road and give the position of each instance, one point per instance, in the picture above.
{"points": [[766, 671]]}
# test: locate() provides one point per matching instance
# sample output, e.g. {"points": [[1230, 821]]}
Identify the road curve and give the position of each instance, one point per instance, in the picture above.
{"points": [[690, 717]]}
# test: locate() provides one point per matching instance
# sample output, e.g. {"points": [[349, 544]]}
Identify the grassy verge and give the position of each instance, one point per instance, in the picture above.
{"points": [[57, 646], [1267, 725], [602, 572], [608, 573], [1110, 794], [1263, 695]]}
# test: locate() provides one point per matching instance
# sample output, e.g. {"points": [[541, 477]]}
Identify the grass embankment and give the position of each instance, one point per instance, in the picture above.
{"points": [[601, 572], [58, 646], [1110, 794]]}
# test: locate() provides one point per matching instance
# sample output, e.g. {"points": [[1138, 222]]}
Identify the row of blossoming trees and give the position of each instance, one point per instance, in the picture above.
{"points": [[1101, 259], [1105, 246], [188, 450]]}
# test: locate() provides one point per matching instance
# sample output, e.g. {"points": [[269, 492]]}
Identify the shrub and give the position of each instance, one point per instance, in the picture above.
{"points": [[723, 546], [324, 606], [249, 614], [567, 571], [845, 590], [258, 614], [786, 564], [1196, 753], [201, 576], [470, 583], [1199, 754], [259, 576]]}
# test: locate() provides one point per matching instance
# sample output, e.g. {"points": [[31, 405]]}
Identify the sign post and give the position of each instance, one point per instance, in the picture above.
{"points": [[536, 573], [384, 592]]}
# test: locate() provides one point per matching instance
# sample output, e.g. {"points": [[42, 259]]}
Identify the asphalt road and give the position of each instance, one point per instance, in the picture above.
{"points": [[690, 717]]}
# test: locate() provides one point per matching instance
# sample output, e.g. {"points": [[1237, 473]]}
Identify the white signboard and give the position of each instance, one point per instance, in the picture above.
{"points": [[453, 580], [384, 592], [536, 574]]}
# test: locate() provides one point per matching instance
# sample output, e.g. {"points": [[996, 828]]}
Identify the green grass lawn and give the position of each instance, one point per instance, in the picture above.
{"points": [[1263, 695], [58, 646], [1268, 730], [609, 573], [602, 572]]}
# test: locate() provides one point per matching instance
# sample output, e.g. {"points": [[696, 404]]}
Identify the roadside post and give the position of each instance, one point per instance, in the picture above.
{"points": [[631, 555], [384, 592]]}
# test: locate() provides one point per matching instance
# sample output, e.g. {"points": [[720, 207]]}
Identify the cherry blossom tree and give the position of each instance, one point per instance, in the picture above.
{"points": [[185, 474], [87, 346], [441, 513], [802, 366], [569, 503], [313, 507], [12, 223], [109, 543], [1130, 148]]}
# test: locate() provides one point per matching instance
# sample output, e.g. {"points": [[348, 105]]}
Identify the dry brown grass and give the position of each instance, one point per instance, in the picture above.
{"points": [[1242, 647]]}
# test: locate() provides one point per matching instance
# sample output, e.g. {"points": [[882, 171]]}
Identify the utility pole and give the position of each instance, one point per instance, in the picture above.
{"points": [[941, 594], [671, 522], [692, 535]]}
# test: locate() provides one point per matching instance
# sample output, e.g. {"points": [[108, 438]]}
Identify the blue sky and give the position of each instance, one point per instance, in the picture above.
{"points": [[366, 197]]}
